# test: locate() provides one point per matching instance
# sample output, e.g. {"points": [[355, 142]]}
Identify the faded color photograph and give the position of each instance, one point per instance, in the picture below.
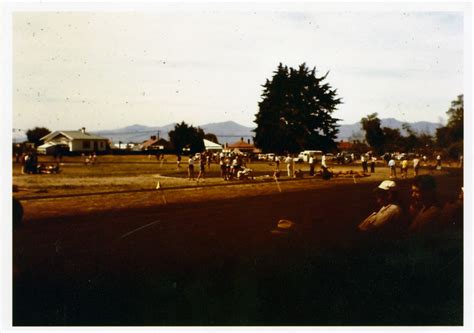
{"points": [[238, 164]]}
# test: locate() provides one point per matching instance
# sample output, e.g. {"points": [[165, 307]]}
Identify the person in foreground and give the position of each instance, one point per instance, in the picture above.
{"points": [[389, 215], [424, 208]]}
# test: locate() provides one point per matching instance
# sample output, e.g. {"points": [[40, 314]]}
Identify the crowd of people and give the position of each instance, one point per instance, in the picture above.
{"points": [[30, 165], [424, 213], [232, 165]]}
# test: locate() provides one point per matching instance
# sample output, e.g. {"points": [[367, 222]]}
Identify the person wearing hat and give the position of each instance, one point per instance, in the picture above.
{"points": [[390, 212]]}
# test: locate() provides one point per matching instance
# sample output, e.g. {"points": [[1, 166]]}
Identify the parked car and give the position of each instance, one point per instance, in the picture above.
{"points": [[306, 154], [270, 157]]}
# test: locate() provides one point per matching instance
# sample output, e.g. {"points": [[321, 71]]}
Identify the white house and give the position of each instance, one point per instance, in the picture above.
{"points": [[76, 141]]}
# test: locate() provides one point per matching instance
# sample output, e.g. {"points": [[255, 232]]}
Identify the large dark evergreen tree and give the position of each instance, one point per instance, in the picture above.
{"points": [[295, 112], [34, 135], [185, 136]]}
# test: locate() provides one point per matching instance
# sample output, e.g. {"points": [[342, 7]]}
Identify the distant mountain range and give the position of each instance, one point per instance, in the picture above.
{"points": [[226, 132], [230, 131], [355, 130]]}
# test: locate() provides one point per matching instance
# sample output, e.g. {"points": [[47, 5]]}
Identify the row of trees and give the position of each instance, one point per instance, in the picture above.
{"points": [[295, 113], [184, 138], [449, 137]]}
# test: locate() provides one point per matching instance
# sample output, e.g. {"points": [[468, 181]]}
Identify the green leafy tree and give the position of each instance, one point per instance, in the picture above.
{"points": [[295, 112], [453, 132], [392, 139], [34, 135], [374, 135], [211, 137], [411, 142], [186, 137]]}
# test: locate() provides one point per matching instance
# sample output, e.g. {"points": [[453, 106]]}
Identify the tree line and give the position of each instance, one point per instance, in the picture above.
{"points": [[295, 113], [449, 138]]}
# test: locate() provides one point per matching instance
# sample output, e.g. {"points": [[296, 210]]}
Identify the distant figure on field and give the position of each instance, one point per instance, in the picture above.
{"points": [[372, 164], [424, 207], [461, 161], [178, 161], [405, 168], [202, 167], [425, 160], [191, 168], [289, 165], [323, 161], [393, 168], [363, 159], [388, 218], [277, 162], [416, 165], [438, 162], [311, 165]]}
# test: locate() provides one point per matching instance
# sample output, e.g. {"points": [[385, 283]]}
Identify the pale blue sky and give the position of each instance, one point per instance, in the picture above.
{"points": [[104, 70]]}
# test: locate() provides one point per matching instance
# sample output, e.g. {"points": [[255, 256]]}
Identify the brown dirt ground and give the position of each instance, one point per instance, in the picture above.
{"points": [[207, 257]]}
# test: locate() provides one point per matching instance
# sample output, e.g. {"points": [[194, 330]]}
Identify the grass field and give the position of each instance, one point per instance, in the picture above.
{"points": [[203, 253]]}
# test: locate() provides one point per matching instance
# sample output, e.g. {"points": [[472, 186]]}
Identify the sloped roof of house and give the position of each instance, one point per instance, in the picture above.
{"points": [[154, 141], [241, 144], [73, 135], [344, 145], [211, 145]]}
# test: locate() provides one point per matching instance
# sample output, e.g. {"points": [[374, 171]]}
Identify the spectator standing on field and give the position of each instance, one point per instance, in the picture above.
{"points": [[405, 168], [277, 162], [289, 165], [363, 159], [191, 168], [372, 164], [323, 161], [438, 162], [311, 165], [416, 165], [202, 167], [425, 160], [393, 168]]}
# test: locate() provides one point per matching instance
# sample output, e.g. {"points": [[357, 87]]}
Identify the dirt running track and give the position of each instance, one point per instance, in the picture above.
{"points": [[216, 263]]}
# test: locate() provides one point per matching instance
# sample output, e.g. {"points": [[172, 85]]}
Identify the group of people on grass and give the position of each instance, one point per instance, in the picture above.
{"points": [[424, 213], [30, 165], [232, 166]]}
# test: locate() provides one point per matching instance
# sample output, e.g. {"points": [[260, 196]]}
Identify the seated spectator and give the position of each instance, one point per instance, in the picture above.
{"points": [[389, 215], [452, 214], [424, 207]]}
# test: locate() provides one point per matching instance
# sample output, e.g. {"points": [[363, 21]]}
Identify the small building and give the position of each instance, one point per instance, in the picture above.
{"points": [[155, 143], [73, 141], [242, 146], [212, 146], [345, 145]]}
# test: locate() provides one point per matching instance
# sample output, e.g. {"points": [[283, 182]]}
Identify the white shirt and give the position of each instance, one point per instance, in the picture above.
{"points": [[385, 215], [391, 163]]}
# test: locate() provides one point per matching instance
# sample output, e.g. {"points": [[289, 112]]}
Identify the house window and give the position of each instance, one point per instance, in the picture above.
{"points": [[101, 144], [86, 144]]}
